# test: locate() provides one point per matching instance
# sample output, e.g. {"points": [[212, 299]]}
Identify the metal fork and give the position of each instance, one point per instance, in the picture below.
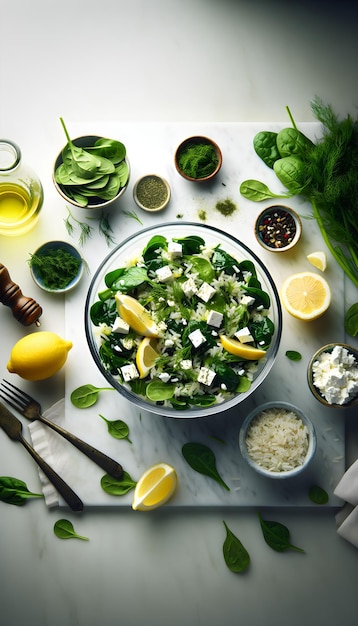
{"points": [[31, 409]]}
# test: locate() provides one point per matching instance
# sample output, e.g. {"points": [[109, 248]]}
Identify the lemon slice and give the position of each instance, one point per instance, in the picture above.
{"points": [[154, 487], [240, 349], [134, 313], [146, 355], [318, 260], [306, 295]]}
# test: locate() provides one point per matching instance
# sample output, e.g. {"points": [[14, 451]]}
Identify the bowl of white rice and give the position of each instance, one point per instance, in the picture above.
{"points": [[183, 320], [277, 440]]}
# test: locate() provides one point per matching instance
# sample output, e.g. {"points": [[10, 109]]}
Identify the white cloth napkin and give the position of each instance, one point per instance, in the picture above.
{"points": [[40, 437], [347, 517]]}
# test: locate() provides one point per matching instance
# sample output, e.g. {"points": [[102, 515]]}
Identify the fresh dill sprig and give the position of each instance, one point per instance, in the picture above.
{"points": [[106, 229], [133, 215], [85, 229]]}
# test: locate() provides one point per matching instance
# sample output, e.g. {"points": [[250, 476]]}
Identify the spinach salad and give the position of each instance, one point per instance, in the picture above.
{"points": [[195, 295]]}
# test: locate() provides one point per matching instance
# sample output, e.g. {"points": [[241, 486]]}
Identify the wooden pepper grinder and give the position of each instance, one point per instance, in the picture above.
{"points": [[24, 309]]}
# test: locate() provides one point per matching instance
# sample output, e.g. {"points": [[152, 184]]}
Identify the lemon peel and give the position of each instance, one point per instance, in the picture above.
{"points": [[134, 313], [250, 353], [318, 259], [155, 487], [146, 355], [39, 355], [305, 295]]}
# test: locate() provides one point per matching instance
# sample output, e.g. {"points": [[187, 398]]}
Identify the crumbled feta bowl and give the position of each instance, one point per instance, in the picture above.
{"points": [[334, 374]]}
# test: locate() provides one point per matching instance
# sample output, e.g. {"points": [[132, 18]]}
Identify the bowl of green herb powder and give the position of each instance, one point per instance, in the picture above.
{"points": [[56, 266], [198, 159]]}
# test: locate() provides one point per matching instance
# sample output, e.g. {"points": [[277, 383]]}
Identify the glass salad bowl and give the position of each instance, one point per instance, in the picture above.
{"points": [[183, 320]]}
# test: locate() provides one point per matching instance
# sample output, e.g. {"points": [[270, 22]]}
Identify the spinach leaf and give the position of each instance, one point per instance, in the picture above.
{"points": [[117, 486], [291, 172], [236, 556], [202, 460], [293, 141], [318, 495], [261, 297], [351, 320], [15, 491], [293, 355], [223, 261], [87, 395], [203, 267], [117, 428], [157, 391], [262, 331], [155, 243], [256, 191], [64, 529], [265, 146], [277, 536], [130, 279], [103, 311], [192, 244], [226, 375]]}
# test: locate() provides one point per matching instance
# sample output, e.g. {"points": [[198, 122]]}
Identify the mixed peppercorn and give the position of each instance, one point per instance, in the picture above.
{"points": [[277, 228]]}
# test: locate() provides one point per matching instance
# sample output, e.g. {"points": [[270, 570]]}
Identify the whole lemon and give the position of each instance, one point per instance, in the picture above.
{"points": [[38, 355]]}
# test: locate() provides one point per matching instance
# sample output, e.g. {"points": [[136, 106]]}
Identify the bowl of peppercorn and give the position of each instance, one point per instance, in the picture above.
{"points": [[56, 266], [278, 228], [151, 193], [198, 159]]}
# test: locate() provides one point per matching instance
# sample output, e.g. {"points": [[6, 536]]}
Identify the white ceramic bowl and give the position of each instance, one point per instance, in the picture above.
{"points": [[148, 200], [130, 249], [262, 468]]}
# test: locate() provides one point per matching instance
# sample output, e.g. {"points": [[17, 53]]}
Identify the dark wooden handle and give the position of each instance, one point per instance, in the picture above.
{"points": [[26, 310]]}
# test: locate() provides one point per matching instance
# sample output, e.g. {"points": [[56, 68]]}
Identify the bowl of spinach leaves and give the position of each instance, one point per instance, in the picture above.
{"points": [[185, 322], [91, 171]]}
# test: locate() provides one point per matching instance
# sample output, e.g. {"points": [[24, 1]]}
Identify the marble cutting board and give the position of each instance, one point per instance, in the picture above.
{"points": [[150, 149]]}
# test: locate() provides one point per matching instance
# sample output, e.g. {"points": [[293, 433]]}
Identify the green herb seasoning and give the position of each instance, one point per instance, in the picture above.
{"points": [[226, 207], [152, 192], [198, 160], [57, 268]]}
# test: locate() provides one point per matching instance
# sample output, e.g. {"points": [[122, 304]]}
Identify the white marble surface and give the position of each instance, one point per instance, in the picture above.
{"points": [[158, 62], [156, 438]]}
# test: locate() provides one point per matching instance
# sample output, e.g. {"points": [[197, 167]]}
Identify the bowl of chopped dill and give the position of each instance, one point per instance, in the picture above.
{"points": [[56, 266], [198, 159]]}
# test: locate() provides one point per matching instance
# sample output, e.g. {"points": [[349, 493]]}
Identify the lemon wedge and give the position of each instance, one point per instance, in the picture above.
{"points": [[250, 353], [318, 260], [154, 487], [306, 295], [134, 313], [39, 355], [146, 355]]}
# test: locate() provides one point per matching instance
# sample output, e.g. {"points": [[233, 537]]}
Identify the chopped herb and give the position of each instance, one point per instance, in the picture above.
{"points": [[226, 207], [56, 267]]}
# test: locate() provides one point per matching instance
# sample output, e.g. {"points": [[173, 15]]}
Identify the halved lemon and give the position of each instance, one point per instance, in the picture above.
{"points": [[306, 295], [146, 355], [134, 313], [154, 487], [318, 259], [250, 353]]}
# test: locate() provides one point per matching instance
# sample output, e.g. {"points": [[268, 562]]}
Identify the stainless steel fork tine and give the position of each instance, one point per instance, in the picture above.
{"points": [[10, 391]]}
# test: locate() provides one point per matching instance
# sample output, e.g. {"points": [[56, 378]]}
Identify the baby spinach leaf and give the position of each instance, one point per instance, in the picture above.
{"points": [[117, 486], [265, 145], [277, 536], [15, 491], [236, 556], [318, 495], [293, 141], [351, 320], [130, 279], [293, 355], [202, 459], [117, 428], [223, 261], [256, 191], [86, 395], [157, 391], [291, 172], [64, 529], [203, 267]]}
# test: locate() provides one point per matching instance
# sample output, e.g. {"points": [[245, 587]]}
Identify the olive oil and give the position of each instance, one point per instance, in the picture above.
{"points": [[19, 208]]}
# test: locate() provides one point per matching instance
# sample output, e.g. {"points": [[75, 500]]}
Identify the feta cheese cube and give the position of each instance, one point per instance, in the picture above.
{"points": [[244, 335], [164, 274], [215, 318], [189, 288], [175, 249], [206, 376], [186, 364], [206, 292], [197, 338], [120, 326], [129, 372], [164, 377], [248, 300]]}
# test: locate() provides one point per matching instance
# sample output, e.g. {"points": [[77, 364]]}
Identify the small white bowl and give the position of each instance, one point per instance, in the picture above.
{"points": [[145, 198], [272, 241], [311, 446], [47, 248]]}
